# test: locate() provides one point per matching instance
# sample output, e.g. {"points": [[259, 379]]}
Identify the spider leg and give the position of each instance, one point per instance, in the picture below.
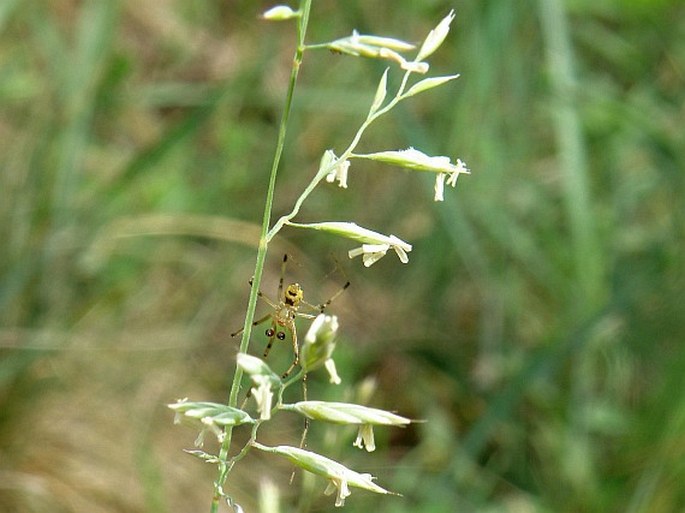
{"points": [[272, 337], [267, 299], [255, 323], [280, 281], [296, 350], [263, 296], [321, 307]]}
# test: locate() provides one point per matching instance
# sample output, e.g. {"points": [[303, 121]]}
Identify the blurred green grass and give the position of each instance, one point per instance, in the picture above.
{"points": [[538, 327]]}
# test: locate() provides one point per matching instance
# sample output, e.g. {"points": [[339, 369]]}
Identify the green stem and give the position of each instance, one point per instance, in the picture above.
{"points": [[246, 448], [321, 173], [305, 7]]}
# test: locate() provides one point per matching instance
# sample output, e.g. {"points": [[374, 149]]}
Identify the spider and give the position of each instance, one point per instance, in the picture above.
{"points": [[285, 312]]}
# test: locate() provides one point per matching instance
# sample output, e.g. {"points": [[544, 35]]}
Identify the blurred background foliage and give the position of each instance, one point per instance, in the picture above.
{"points": [[538, 327]]}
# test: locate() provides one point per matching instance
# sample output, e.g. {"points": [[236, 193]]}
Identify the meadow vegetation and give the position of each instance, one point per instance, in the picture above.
{"points": [[538, 328]]}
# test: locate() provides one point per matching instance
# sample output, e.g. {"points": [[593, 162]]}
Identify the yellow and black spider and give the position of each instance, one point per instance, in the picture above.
{"points": [[285, 311]]}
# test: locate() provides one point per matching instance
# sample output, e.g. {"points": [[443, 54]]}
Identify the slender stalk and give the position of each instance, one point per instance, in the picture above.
{"points": [[321, 173], [224, 469]]}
